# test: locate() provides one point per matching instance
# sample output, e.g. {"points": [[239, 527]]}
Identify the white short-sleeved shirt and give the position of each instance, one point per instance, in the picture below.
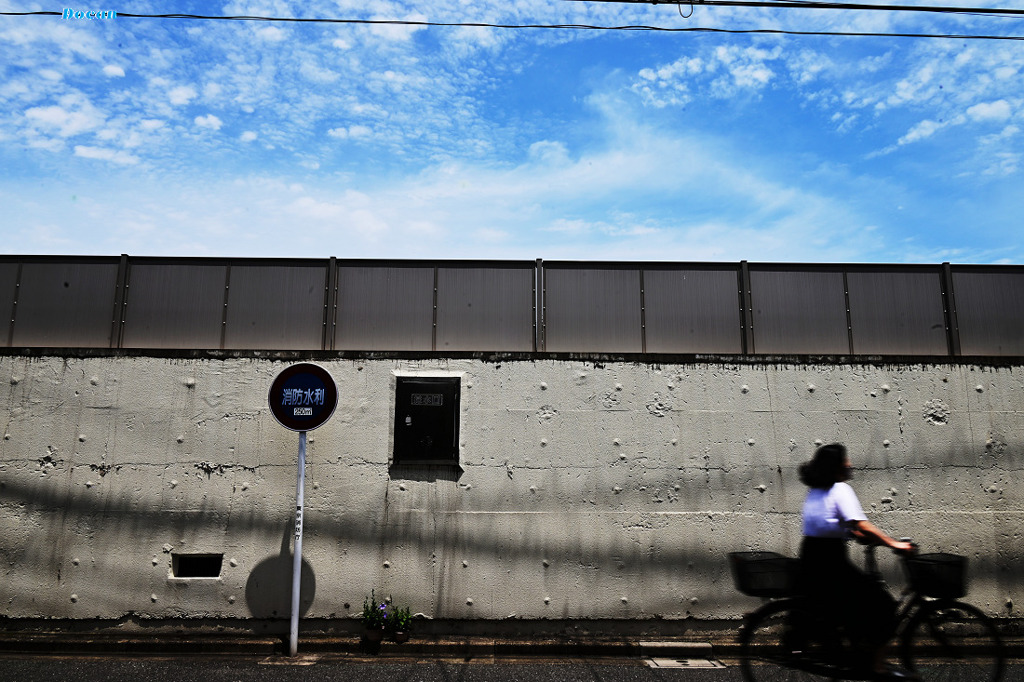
{"points": [[827, 511]]}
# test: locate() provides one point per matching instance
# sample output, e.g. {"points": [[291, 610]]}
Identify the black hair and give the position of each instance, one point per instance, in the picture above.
{"points": [[825, 468]]}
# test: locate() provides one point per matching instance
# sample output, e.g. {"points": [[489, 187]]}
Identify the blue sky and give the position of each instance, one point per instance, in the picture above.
{"points": [[184, 137]]}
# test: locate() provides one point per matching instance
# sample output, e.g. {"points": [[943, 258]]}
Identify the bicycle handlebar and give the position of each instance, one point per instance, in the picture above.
{"points": [[870, 563]]}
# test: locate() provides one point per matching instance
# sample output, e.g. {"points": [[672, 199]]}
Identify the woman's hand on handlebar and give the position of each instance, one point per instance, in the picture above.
{"points": [[903, 546]]}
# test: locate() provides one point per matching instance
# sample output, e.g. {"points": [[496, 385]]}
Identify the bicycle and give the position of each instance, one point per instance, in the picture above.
{"points": [[788, 639]]}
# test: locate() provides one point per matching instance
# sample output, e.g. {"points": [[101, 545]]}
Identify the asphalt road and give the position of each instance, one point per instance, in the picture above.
{"points": [[322, 669], [328, 669]]}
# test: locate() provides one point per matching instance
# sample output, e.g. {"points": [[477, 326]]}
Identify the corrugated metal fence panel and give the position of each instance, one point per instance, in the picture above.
{"points": [[487, 307], [692, 310], [280, 307], [592, 309], [66, 304], [801, 312], [990, 311], [8, 285], [897, 313], [174, 304], [385, 307]]}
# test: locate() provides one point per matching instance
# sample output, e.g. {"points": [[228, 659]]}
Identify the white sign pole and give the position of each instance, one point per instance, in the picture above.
{"points": [[297, 553]]}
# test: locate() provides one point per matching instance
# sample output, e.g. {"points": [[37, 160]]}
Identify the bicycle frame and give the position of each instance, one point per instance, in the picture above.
{"points": [[912, 609]]}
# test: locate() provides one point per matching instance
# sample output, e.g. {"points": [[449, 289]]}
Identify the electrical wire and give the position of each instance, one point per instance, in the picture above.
{"points": [[820, 4], [663, 29]]}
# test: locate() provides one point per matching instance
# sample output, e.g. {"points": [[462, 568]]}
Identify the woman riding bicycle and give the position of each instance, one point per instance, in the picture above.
{"points": [[831, 515]]}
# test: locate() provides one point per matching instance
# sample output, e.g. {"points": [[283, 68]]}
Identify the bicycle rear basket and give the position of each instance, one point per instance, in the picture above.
{"points": [[938, 575], [763, 574]]}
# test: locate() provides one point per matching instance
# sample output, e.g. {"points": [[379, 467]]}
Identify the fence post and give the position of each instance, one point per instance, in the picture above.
{"points": [[949, 310], [643, 314], [120, 303], [330, 305], [542, 311], [746, 312], [14, 306], [224, 311], [849, 317]]}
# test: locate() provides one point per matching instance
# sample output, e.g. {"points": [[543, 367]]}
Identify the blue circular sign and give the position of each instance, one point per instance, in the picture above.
{"points": [[303, 397]]}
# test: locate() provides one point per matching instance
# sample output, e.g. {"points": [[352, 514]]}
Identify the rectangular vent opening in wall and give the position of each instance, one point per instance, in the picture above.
{"points": [[196, 565]]}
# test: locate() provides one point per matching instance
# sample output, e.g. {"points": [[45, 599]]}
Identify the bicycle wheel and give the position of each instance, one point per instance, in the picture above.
{"points": [[950, 640], [771, 648]]}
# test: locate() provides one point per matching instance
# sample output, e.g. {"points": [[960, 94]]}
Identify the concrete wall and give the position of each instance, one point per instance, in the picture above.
{"points": [[587, 490]]}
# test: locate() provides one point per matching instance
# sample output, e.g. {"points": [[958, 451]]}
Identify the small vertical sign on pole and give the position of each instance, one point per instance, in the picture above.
{"points": [[302, 398]]}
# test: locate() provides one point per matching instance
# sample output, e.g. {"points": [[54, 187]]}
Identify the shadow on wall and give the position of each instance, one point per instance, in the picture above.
{"points": [[682, 562], [268, 592]]}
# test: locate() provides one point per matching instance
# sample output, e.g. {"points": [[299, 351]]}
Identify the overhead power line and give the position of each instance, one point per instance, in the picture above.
{"points": [[820, 4], [663, 29]]}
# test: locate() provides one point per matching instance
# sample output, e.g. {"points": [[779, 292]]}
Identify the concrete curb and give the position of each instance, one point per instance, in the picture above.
{"points": [[427, 646], [422, 647]]}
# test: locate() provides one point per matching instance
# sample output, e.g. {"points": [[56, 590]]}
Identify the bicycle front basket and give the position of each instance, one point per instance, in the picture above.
{"points": [[938, 575], [763, 574]]}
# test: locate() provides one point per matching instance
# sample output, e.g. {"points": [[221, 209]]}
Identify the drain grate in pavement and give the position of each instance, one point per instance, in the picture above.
{"points": [[690, 663]]}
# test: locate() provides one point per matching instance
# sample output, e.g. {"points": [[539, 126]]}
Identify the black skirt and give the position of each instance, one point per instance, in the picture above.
{"points": [[844, 594]]}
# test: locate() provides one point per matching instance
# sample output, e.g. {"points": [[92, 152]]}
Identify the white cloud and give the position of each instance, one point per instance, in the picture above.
{"points": [[248, 136], [747, 66], [309, 207], [183, 94], [113, 71], [49, 144], [1004, 164], [990, 111], [209, 121], [1005, 72], [75, 115], [352, 132], [105, 154], [730, 69], [920, 131], [807, 66], [51, 75], [913, 89], [668, 85], [339, 214], [1002, 136], [272, 34], [317, 74], [549, 153]]}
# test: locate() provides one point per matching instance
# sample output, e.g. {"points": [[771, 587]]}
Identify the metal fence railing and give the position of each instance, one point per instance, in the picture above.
{"points": [[515, 306]]}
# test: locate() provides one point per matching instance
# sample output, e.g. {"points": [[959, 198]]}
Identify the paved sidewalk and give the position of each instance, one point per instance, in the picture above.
{"points": [[723, 646], [420, 647]]}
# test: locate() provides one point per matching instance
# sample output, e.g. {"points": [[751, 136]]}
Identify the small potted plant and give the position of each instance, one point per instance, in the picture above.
{"points": [[399, 623], [375, 616]]}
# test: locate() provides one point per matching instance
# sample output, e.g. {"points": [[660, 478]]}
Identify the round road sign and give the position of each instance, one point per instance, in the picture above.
{"points": [[303, 397]]}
